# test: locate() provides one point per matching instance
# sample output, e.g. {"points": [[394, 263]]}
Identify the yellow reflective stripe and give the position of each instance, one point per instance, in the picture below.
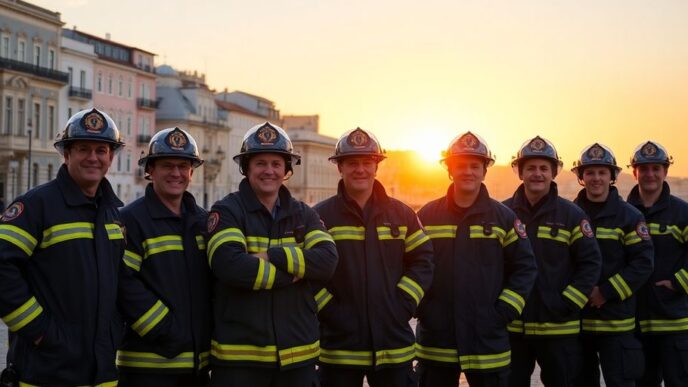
{"points": [[347, 233], [107, 384], [18, 237], [609, 233], [299, 354], [510, 237], [516, 326], [385, 233], [162, 244], [445, 355], [150, 319], [484, 362], [412, 288], [243, 352], [67, 231], [23, 315], [281, 242], [621, 286], [548, 328], [631, 238], [153, 360], [257, 244], [296, 263], [625, 325], [224, 236], [132, 260], [340, 356], [114, 231], [685, 233], [673, 230], [203, 359], [478, 231], [563, 236], [322, 298], [575, 295], [514, 299], [200, 242], [416, 239], [316, 236], [265, 277], [664, 325], [395, 356], [682, 277], [576, 234], [441, 231]]}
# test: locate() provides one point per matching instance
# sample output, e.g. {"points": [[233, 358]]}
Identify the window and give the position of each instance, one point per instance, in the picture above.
{"points": [[69, 113], [5, 46], [71, 75], [51, 121], [37, 120], [51, 59], [119, 190], [129, 88], [8, 115], [110, 84], [34, 177], [120, 86], [21, 116], [99, 82], [50, 172], [119, 163], [36, 55], [21, 51], [129, 124], [82, 79], [128, 162]]}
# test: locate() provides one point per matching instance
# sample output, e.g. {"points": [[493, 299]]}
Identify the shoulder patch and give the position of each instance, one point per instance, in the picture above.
{"points": [[586, 228], [213, 220], [643, 231], [12, 212], [520, 228]]}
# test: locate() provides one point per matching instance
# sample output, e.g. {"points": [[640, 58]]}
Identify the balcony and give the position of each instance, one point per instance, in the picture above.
{"points": [[143, 138], [80, 93], [145, 103], [43, 72]]}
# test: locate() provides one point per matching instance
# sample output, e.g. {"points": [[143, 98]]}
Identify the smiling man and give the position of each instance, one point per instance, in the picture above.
{"points": [[608, 320], [266, 249], [663, 300], [568, 263], [385, 267], [61, 250], [484, 270], [166, 297]]}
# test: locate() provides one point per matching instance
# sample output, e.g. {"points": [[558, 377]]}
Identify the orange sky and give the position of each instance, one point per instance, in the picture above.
{"points": [[419, 74]]}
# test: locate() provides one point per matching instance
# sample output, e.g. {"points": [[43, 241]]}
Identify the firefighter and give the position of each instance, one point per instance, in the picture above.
{"points": [[265, 250], [663, 300], [385, 267], [167, 305], [608, 320], [484, 271], [61, 246], [568, 261]]}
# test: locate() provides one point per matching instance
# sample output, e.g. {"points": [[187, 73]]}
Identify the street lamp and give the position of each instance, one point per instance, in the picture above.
{"points": [[211, 168], [14, 164], [28, 165]]}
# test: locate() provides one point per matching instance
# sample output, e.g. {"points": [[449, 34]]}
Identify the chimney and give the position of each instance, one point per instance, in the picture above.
{"points": [[107, 36]]}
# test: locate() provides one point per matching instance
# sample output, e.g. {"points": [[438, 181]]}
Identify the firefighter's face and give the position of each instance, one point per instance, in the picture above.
{"points": [[170, 176], [597, 180], [650, 177], [467, 172], [537, 176], [88, 162], [266, 173], [358, 173]]}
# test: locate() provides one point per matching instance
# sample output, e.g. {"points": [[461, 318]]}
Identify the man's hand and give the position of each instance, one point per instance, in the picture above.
{"points": [[596, 299], [262, 255], [666, 283]]}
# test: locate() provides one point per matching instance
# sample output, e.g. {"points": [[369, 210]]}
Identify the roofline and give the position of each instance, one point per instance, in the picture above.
{"points": [[109, 41]]}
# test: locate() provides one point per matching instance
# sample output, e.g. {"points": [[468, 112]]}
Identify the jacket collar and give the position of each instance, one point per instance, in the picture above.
{"points": [[520, 201], [379, 197], [250, 200], [158, 210], [481, 204], [610, 207], [661, 203], [74, 197]]}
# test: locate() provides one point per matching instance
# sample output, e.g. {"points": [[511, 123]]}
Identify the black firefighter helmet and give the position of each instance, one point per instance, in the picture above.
{"points": [[172, 142], [89, 125], [266, 138]]}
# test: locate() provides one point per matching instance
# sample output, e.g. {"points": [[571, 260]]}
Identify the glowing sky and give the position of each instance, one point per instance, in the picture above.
{"points": [[419, 73]]}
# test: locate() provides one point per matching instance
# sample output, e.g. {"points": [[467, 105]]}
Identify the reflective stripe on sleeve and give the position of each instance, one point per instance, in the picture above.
{"points": [[575, 295], [412, 288], [225, 236], [257, 244], [200, 242], [265, 277], [514, 299], [18, 237], [414, 240], [516, 326], [316, 236], [296, 264], [23, 315], [114, 231], [132, 260], [669, 229], [150, 319], [322, 298], [620, 286], [682, 278], [203, 359], [162, 244], [347, 233]]}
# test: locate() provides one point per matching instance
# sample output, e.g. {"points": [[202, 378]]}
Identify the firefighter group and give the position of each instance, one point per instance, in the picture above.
{"points": [[265, 291]]}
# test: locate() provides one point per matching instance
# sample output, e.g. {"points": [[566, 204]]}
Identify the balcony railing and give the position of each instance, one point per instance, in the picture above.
{"points": [[145, 103], [79, 92], [143, 138], [44, 72]]}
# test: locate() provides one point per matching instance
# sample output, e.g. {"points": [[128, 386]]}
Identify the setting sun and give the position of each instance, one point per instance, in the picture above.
{"points": [[429, 148]]}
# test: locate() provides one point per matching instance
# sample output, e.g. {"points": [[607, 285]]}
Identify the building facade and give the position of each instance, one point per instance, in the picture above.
{"points": [[30, 86]]}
